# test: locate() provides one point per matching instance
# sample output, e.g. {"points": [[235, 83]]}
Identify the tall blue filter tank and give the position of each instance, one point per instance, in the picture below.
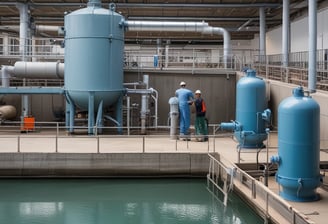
{"points": [[252, 114], [94, 44], [299, 147]]}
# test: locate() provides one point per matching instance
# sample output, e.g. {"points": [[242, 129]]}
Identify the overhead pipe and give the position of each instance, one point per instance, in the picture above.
{"points": [[165, 26], [226, 41], [200, 27], [262, 36], [312, 70], [285, 33]]}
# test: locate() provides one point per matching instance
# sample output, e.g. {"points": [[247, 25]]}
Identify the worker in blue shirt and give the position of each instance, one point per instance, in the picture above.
{"points": [[185, 97]]}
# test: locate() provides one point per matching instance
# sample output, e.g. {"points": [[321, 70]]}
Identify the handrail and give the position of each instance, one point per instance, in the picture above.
{"points": [[262, 197]]}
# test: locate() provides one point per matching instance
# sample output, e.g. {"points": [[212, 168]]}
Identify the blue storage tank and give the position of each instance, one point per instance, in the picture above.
{"points": [[251, 113], [299, 147], [94, 45]]}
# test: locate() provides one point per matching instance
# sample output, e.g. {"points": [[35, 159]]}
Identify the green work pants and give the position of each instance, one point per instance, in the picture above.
{"points": [[201, 126]]}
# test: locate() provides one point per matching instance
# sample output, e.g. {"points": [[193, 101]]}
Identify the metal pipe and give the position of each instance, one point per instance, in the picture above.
{"points": [[6, 71], [23, 34], [143, 113], [226, 41], [165, 26], [312, 70], [128, 114], [23, 28], [262, 36], [156, 106], [285, 33], [49, 70], [154, 5]]}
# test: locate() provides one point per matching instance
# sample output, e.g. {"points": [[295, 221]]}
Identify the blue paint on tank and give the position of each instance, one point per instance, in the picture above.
{"points": [[299, 147], [251, 113], [94, 45]]}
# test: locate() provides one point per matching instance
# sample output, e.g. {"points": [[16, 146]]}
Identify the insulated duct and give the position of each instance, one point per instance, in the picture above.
{"points": [[226, 41], [200, 27], [43, 70]]}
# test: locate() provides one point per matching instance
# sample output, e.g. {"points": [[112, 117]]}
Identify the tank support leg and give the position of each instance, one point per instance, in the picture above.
{"points": [[91, 112], [119, 114]]}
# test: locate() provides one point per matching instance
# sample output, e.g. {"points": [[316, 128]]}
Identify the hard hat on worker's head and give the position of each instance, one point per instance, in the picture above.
{"points": [[198, 92], [182, 83]]}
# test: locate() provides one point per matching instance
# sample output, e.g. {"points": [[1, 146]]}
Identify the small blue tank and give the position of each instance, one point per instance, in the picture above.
{"points": [[299, 147], [252, 115]]}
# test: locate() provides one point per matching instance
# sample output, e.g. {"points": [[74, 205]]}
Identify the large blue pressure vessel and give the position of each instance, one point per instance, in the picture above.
{"points": [[299, 147], [251, 102], [94, 43]]}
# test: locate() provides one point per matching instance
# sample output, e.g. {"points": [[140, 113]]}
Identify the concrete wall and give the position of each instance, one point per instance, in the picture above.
{"points": [[218, 91], [103, 165]]}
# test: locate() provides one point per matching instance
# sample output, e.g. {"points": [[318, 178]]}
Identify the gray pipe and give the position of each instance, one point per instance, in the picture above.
{"points": [[46, 70], [165, 26], [285, 33], [226, 41], [6, 71], [23, 34], [312, 70], [262, 36], [23, 28], [201, 27]]}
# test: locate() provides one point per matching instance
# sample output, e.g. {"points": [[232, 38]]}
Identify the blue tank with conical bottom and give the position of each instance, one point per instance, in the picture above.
{"points": [[94, 45], [299, 147]]}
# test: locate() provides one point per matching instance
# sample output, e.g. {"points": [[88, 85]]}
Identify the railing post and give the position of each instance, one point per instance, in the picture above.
{"points": [[143, 144], [253, 189], [98, 147], [56, 143], [18, 143]]}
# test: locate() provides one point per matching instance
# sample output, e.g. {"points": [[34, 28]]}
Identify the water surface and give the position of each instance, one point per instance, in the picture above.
{"points": [[126, 201]]}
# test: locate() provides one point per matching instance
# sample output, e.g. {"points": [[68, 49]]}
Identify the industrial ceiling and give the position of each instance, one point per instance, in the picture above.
{"points": [[239, 17]]}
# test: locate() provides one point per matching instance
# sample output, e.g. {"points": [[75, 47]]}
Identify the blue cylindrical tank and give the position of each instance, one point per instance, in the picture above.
{"points": [[94, 44], [250, 104], [299, 147]]}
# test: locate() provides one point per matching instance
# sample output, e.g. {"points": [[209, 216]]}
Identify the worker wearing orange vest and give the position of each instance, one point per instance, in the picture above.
{"points": [[200, 122]]}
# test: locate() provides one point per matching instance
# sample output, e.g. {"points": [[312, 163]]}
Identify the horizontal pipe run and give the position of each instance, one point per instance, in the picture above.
{"points": [[165, 26], [49, 70]]}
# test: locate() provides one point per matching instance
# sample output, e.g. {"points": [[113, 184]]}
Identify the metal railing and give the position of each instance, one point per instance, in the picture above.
{"points": [[258, 194], [52, 137]]}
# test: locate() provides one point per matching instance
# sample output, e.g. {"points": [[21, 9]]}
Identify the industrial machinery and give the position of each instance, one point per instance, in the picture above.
{"points": [[298, 147], [94, 44], [93, 69], [252, 115]]}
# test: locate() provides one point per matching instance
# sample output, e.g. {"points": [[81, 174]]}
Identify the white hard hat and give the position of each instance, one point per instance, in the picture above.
{"points": [[182, 83], [198, 92]]}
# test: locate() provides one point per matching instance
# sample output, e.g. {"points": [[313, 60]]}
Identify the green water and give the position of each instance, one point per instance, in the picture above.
{"points": [[100, 201]]}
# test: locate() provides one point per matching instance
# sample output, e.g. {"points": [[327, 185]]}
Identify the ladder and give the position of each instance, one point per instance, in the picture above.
{"points": [[220, 178]]}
